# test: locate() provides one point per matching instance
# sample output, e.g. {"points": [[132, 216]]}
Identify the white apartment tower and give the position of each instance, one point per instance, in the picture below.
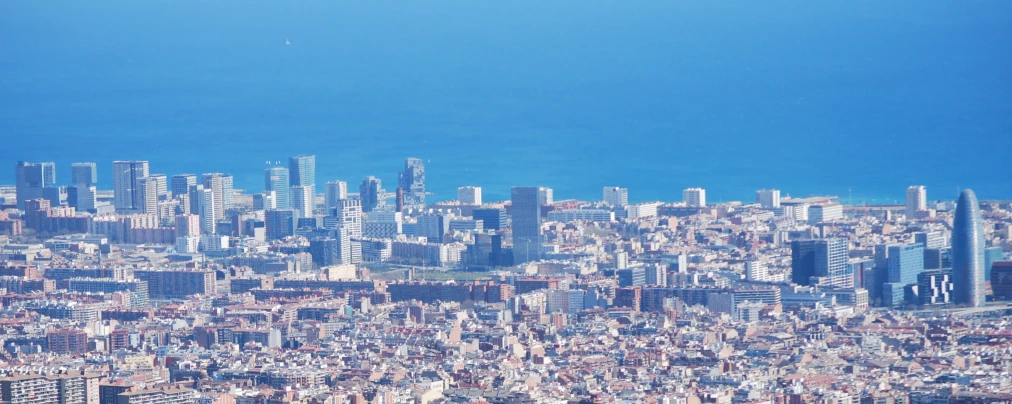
{"points": [[546, 196], [221, 185], [757, 271], [349, 215], [694, 197], [202, 203], [768, 198], [616, 196], [469, 195], [917, 199], [147, 195]]}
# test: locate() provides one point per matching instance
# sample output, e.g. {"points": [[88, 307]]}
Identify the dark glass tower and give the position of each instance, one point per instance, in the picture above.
{"points": [[968, 252], [526, 212]]}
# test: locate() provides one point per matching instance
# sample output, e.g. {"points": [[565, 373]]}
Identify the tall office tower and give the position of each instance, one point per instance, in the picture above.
{"points": [[905, 262], [491, 218], [224, 193], [181, 184], [546, 196], [82, 197], [279, 223], [49, 172], [302, 200], [126, 176], [825, 260], [369, 193], [30, 182], [768, 198], [694, 197], [188, 226], [203, 204], [968, 252], [302, 170], [616, 196], [469, 195], [85, 174], [432, 227], [412, 179], [147, 191], [526, 212], [276, 179], [349, 215], [265, 201], [917, 199], [335, 191]]}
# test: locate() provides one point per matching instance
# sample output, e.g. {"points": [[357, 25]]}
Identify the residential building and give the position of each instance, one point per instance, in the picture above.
{"points": [[469, 195], [768, 198], [616, 196], [694, 197]]}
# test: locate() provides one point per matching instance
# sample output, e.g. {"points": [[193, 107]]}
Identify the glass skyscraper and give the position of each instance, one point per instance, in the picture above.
{"points": [[276, 179], [83, 174], [526, 213], [302, 170], [968, 252]]}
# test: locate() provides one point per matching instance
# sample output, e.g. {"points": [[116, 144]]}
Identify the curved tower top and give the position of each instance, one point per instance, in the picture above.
{"points": [[968, 251]]}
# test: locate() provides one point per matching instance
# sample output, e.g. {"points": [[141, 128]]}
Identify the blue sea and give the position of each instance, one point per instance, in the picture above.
{"points": [[858, 98]]}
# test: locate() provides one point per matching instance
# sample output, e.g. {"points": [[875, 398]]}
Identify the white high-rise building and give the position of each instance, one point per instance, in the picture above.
{"points": [[757, 271], [545, 196], [335, 191], [694, 197], [221, 185], [349, 215], [768, 198], [202, 203], [302, 199], [161, 185], [917, 199], [126, 176], [616, 196], [469, 195], [147, 191]]}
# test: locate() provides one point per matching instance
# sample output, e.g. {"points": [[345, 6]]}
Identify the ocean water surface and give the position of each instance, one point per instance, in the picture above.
{"points": [[855, 98]]}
